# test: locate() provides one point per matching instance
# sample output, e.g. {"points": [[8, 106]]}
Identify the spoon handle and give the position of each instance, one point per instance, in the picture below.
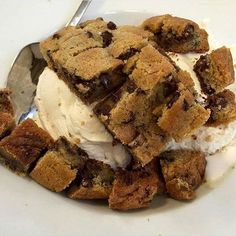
{"points": [[79, 13]]}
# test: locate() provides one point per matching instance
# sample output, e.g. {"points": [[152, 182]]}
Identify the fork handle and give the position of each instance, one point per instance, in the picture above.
{"points": [[79, 13]]}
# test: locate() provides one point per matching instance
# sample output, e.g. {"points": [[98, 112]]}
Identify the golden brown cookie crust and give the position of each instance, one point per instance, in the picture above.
{"points": [[5, 102], [7, 124], [59, 166], [215, 71], [92, 63], [223, 108], [81, 58], [24, 146], [128, 40], [53, 172], [177, 34], [135, 188], [183, 117], [183, 171], [94, 181]]}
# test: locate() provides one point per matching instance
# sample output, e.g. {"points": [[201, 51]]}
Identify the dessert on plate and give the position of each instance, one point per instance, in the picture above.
{"points": [[125, 113]]}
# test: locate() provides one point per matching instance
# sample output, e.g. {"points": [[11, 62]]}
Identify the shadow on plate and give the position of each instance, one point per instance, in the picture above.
{"points": [[159, 205]]}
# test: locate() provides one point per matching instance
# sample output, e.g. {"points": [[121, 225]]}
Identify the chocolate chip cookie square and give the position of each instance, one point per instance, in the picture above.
{"points": [[26, 144], [59, 166], [223, 108], [133, 189], [93, 181], [7, 124], [183, 172], [177, 34], [183, 115], [215, 71]]}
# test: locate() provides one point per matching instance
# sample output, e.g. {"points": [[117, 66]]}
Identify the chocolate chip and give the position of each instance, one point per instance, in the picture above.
{"points": [[115, 142], [169, 86], [56, 36], [138, 141], [206, 88], [142, 172], [188, 31], [169, 158], [90, 35], [119, 69], [131, 118], [162, 136], [129, 53], [111, 25], [134, 164], [217, 101], [115, 97], [127, 178], [222, 102], [185, 105], [102, 109], [187, 34], [107, 38], [131, 87], [84, 183], [173, 100], [202, 64], [140, 91], [147, 192], [213, 116], [105, 80]]}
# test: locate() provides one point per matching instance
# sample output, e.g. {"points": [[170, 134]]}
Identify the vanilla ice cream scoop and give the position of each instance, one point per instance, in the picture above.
{"points": [[62, 113]]}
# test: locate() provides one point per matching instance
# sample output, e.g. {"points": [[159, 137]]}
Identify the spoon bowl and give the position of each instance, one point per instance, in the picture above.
{"points": [[24, 74], [23, 79]]}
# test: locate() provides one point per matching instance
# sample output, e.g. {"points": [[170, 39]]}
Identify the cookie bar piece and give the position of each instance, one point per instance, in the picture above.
{"points": [[24, 146], [223, 108], [5, 102], [91, 74], [71, 40], [215, 71], [59, 166], [127, 113], [133, 189], [94, 181], [186, 80], [183, 171], [66, 43], [183, 115], [7, 122], [177, 34], [128, 40]]}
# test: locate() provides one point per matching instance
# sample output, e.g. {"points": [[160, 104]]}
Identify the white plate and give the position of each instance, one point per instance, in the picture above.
{"points": [[28, 209]]}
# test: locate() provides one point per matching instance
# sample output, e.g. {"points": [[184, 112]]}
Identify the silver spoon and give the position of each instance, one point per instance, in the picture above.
{"points": [[23, 77]]}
